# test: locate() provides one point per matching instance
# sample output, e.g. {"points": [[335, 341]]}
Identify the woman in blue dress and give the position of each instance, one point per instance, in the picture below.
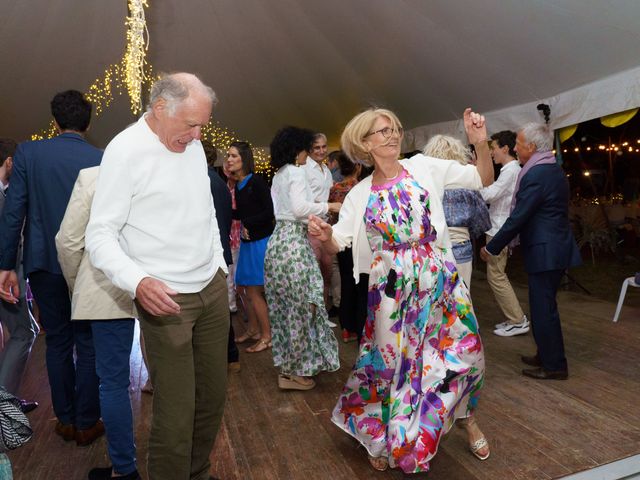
{"points": [[254, 209]]}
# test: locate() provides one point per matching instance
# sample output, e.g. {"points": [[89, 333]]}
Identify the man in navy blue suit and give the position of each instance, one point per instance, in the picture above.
{"points": [[539, 215], [44, 173]]}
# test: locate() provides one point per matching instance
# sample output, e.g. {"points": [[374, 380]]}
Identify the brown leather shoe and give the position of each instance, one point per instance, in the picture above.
{"points": [[533, 360], [542, 374], [66, 430], [86, 437]]}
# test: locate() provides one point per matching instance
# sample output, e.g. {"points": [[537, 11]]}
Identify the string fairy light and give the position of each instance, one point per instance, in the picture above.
{"points": [[134, 75]]}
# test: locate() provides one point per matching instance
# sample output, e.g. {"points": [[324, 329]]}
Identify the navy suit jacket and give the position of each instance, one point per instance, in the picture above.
{"points": [[222, 204], [541, 218], [43, 176]]}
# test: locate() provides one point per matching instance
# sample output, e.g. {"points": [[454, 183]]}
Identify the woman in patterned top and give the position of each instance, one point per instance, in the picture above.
{"points": [[421, 362], [466, 213]]}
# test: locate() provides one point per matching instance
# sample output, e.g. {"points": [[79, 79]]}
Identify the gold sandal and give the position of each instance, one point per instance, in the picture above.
{"points": [[479, 444], [379, 463], [246, 336], [259, 346]]}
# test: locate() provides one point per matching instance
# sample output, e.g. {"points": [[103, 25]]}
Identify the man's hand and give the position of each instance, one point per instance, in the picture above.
{"points": [[154, 296], [475, 126], [319, 229], [484, 254], [9, 287]]}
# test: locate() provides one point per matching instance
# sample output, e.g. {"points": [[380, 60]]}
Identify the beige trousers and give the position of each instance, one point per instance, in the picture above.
{"points": [[501, 287]]}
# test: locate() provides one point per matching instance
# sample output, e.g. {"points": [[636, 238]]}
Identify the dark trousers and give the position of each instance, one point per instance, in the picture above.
{"points": [[545, 319], [187, 356], [22, 329], [353, 296], [233, 354], [112, 340], [74, 385]]}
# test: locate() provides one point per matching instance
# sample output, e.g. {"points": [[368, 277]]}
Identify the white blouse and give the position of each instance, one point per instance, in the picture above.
{"points": [[292, 198]]}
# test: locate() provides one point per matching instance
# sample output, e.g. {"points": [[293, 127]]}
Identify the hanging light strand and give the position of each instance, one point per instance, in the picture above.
{"points": [[136, 52], [133, 74]]}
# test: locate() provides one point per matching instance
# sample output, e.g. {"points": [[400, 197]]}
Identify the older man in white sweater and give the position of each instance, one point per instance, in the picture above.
{"points": [[153, 232]]}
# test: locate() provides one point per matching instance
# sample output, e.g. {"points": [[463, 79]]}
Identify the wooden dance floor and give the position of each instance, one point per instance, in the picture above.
{"points": [[537, 429]]}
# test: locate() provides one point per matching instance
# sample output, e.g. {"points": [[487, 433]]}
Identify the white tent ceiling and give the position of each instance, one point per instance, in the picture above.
{"points": [[316, 63]]}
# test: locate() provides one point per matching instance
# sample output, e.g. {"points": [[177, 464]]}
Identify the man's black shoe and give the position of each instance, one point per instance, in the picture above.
{"points": [[533, 360], [542, 374], [27, 407], [105, 474]]}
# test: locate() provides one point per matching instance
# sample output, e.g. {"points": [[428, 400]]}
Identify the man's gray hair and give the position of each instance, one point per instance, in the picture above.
{"points": [[175, 88], [540, 135], [318, 136]]}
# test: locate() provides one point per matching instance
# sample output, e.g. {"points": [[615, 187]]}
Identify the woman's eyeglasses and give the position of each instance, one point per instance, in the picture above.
{"points": [[386, 132]]}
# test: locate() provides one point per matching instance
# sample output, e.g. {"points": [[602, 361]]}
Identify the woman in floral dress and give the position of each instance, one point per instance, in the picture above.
{"points": [[302, 341], [421, 362]]}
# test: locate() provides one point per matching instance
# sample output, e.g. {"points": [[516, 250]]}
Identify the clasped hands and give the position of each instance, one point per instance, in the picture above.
{"points": [[319, 228]]}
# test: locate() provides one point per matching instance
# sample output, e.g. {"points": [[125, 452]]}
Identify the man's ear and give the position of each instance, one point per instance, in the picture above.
{"points": [[159, 107], [9, 164]]}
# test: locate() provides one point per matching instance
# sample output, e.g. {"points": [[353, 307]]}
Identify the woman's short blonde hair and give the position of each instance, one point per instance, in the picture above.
{"points": [[354, 133], [447, 148]]}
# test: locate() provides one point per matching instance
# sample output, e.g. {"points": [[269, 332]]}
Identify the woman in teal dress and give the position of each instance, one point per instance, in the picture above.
{"points": [[421, 361]]}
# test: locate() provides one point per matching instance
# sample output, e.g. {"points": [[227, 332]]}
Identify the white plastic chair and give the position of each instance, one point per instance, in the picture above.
{"points": [[623, 292]]}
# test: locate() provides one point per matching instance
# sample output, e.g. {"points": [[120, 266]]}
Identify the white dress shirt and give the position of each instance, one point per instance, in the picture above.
{"points": [[498, 195], [153, 215], [319, 179]]}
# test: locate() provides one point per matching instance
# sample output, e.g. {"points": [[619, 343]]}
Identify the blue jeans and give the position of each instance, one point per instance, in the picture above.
{"points": [[112, 340], [74, 385]]}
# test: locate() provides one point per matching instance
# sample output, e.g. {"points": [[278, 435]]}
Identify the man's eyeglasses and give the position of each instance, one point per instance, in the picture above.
{"points": [[386, 132]]}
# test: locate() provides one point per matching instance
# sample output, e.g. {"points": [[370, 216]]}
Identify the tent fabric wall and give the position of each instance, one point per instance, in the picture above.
{"points": [[609, 95]]}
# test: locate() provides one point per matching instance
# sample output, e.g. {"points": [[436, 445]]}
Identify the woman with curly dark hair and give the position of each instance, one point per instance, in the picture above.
{"points": [[303, 343]]}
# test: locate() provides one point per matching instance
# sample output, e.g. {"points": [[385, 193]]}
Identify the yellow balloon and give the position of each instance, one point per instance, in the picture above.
{"points": [[617, 119], [565, 133]]}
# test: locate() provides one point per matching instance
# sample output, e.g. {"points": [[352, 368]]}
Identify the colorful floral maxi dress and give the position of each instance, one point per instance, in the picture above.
{"points": [[421, 362]]}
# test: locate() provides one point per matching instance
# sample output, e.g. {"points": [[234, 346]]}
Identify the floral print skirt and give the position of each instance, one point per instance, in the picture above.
{"points": [[303, 343]]}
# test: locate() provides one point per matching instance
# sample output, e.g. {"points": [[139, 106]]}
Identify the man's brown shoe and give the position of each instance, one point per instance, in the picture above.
{"points": [[542, 374], [66, 430], [533, 360], [86, 437]]}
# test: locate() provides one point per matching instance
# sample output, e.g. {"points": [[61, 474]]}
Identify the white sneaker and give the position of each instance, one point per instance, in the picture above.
{"points": [[331, 324], [511, 330], [498, 326]]}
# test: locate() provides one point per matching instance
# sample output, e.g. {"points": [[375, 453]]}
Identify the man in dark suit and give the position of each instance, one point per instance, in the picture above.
{"points": [[540, 217], [44, 173], [223, 205]]}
